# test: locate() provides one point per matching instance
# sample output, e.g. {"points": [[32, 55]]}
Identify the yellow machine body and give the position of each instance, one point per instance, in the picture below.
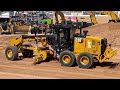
{"points": [[92, 17], [92, 45], [39, 52], [112, 14]]}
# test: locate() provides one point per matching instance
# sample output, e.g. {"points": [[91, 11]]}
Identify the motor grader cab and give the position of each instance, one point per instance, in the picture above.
{"points": [[81, 48], [5, 26], [60, 38]]}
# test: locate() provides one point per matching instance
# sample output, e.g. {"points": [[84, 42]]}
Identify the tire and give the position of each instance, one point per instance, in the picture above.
{"points": [[14, 52], [88, 57], [69, 55]]}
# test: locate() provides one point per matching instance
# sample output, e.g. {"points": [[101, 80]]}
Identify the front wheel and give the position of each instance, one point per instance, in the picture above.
{"points": [[11, 53]]}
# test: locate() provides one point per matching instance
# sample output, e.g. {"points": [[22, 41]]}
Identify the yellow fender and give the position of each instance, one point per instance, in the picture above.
{"points": [[16, 41]]}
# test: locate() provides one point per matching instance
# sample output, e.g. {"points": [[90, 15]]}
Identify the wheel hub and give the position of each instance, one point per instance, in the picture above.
{"points": [[84, 60], [9, 53], [66, 59]]}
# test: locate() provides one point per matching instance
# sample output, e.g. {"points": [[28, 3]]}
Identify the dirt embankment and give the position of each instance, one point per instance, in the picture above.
{"points": [[111, 31]]}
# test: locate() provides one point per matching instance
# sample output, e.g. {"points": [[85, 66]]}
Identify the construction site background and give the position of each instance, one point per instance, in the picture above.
{"points": [[100, 18]]}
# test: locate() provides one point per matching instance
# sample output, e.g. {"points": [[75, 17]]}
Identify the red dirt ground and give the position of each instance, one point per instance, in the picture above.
{"points": [[24, 69]]}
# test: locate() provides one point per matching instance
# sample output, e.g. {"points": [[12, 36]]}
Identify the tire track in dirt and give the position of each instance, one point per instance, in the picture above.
{"points": [[25, 61], [68, 70], [52, 63], [52, 73]]}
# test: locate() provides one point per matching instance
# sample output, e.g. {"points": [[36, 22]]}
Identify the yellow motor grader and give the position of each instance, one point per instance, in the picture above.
{"points": [[78, 48]]}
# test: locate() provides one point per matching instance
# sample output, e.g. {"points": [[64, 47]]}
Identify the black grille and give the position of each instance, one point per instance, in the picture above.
{"points": [[104, 45]]}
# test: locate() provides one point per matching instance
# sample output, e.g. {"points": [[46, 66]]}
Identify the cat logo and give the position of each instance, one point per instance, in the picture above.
{"points": [[89, 44], [80, 40]]}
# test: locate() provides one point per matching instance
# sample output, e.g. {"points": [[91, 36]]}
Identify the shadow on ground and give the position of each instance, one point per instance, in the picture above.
{"points": [[21, 58], [110, 65]]}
